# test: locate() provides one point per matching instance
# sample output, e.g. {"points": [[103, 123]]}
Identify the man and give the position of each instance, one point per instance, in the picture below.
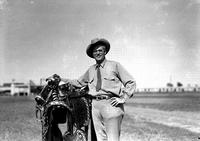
{"points": [[105, 80]]}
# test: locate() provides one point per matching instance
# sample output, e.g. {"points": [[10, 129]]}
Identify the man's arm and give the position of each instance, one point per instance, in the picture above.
{"points": [[129, 86], [80, 82], [127, 80]]}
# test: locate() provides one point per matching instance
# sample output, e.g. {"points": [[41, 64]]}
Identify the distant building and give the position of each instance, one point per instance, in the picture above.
{"points": [[15, 88]]}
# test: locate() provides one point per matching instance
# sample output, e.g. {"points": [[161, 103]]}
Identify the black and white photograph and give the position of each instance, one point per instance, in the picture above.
{"points": [[99, 70]]}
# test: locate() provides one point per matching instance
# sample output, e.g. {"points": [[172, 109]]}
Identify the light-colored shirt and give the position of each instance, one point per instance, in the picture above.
{"points": [[115, 79]]}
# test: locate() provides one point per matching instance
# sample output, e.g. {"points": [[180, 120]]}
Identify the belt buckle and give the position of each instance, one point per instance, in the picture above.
{"points": [[98, 98]]}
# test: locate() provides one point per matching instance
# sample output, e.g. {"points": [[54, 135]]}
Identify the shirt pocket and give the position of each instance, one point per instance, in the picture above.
{"points": [[110, 83], [109, 78]]}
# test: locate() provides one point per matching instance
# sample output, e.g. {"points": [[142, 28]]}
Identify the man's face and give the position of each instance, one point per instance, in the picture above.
{"points": [[99, 53]]}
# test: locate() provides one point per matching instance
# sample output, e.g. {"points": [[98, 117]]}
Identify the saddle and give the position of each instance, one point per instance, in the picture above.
{"points": [[72, 108]]}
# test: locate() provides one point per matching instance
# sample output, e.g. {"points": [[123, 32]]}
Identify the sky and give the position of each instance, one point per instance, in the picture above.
{"points": [[157, 41]]}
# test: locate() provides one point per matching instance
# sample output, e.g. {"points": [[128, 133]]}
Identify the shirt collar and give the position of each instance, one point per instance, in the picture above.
{"points": [[102, 64]]}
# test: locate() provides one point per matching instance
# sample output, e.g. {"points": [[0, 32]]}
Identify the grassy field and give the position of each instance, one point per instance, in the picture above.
{"points": [[162, 118], [147, 118]]}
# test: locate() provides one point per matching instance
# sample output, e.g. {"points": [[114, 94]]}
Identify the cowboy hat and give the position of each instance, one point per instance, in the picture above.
{"points": [[96, 42]]}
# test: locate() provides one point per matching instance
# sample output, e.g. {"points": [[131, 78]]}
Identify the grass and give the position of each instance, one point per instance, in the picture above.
{"points": [[139, 129], [146, 119], [168, 103], [17, 120]]}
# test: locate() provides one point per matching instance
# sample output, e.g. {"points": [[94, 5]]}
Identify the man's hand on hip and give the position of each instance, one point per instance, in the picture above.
{"points": [[116, 101]]}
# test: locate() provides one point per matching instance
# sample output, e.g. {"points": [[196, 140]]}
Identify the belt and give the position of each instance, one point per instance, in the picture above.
{"points": [[101, 97]]}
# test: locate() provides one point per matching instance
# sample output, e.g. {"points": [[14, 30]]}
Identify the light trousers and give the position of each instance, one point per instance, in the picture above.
{"points": [[107, 120]]}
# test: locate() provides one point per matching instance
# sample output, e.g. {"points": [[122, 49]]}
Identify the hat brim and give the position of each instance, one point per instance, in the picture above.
{"points": [[90, 47]]}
